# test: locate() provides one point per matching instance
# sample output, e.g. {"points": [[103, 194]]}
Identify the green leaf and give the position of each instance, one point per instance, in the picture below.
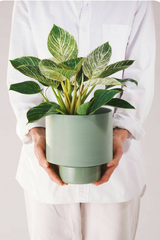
{"points": [[102, 81], [115, 67], [29, 66], [28, 87], [119, 103], [102, 100], [53, 73], [83, 109], [73, 64], [127, 80], [109, 86], [42, 110], [61, 45], [98, 92], [97, 60]]}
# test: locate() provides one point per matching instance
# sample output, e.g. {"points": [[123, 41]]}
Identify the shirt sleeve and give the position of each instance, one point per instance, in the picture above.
{"points": [[22, 44], [141, 48]]}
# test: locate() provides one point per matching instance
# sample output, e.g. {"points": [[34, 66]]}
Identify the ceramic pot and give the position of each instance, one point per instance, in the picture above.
{"points": [[80, 144]]}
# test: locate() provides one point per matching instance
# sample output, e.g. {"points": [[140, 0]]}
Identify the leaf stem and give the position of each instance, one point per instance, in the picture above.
{"points": [[69, 88], [55, 93], [67, 102], [74, 98], [44, 97], [78, 103], [58, 99], [62, 103], [81, 86], [86, 95], [46, 92], [84, 92]]}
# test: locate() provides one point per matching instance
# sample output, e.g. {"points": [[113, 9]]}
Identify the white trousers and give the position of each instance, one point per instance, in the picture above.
{"points": [[82, 221]]}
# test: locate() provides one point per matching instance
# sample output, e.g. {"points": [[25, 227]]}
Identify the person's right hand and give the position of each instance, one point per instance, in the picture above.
{"points": [[39, 138]]}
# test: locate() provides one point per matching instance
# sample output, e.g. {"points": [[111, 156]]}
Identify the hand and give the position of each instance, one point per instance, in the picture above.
{"points": [[119, 137], [38, 136]]}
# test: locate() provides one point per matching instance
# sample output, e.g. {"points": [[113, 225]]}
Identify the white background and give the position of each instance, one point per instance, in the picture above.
{"points": [[13, 223]]}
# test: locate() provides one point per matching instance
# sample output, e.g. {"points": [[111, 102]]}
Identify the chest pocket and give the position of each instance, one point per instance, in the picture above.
{"points": [[117, 35]]}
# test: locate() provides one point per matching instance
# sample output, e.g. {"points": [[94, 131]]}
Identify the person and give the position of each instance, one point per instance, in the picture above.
{"points": [[109, 208]]}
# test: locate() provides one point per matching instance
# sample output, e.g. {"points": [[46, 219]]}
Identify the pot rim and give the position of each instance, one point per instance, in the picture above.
{"points": [[100, 111]]}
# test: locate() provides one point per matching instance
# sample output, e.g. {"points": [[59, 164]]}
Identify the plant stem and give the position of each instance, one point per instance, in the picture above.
{"points": [[78, 103], [46, 92], [67, 101], [44, 97], [81, 86], [55, 94], [86, 95], [60, 110], [84, 92], [69, 88], [58, 99], [74, 98], [66, 85], [62, 103]]}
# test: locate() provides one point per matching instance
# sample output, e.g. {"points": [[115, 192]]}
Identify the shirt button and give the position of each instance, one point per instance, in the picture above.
{"points": [[84, 29]]}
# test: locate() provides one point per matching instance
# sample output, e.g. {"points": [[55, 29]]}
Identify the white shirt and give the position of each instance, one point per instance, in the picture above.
{"points": [[129, 28]]}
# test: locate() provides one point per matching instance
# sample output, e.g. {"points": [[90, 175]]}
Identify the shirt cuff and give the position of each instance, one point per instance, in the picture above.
{"points": [[23, 132], [125, 122]]}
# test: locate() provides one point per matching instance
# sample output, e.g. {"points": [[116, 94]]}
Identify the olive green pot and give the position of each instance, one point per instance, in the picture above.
{"points": [[80, 144]]}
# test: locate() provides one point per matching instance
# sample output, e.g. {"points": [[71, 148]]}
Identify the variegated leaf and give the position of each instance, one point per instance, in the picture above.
{"points": [[115, 67], [61, 44], [97, 60], [49, 62], [74, 64], [42, 110], [29, 66], [54, 73], [102, 81], [23, 61]]}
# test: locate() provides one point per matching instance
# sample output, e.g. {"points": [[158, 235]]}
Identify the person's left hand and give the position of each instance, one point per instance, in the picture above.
{"points": [[119, 137]]}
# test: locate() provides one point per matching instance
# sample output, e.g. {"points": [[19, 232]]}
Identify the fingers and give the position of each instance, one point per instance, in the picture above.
{"points": [[111, 166], [51, 169], [117, 156], [119, 136], [53, 175], [39, 150], [106, 176]]}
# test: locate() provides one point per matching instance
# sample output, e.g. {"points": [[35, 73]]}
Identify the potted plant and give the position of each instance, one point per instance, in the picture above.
{"points": [[78, 132]]}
